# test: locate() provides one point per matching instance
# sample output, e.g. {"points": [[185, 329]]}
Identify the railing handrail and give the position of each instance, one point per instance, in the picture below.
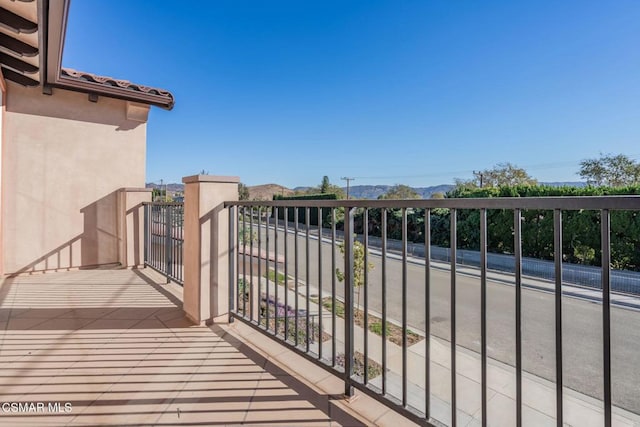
{"points": [[545, 203], [163, 203]]}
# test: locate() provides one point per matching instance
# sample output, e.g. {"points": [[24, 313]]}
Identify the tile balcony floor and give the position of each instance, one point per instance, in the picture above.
{"points": [[116, 346]]}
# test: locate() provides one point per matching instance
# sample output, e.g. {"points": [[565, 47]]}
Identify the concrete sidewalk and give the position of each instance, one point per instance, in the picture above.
{"points": [[538, 394]]}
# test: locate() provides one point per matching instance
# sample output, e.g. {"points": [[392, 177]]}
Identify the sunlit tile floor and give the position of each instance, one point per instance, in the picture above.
{"points": [[115, 348]]}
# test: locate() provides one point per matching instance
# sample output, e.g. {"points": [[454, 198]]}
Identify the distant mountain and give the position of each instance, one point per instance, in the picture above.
{"points": [[170, 186], [296, 189], [374, 191], [267, 191], [367, 191]]}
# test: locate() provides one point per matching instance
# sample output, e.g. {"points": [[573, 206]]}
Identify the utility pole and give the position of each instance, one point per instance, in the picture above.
{"points": [[160, 192], [344, 178]]}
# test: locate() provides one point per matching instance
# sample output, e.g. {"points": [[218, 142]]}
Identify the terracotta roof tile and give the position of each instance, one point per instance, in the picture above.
{"points": [[117, 83]]}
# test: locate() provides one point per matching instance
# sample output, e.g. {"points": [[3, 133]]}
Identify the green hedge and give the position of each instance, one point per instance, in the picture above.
{"points": [[313, 212], [542, 191], [580, 228], [322, 196]]}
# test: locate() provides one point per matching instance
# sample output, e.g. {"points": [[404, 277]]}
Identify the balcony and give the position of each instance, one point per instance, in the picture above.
{"points": [[279, 321], [116, 347]]}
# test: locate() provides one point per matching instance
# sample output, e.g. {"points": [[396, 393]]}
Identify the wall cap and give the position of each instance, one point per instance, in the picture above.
{"points": [[211, 178]]}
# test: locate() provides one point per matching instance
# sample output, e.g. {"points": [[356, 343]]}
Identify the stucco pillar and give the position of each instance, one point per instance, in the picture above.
{"points": [[206, 246], [131, 225]]}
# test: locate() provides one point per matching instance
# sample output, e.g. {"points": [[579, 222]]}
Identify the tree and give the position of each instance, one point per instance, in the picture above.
{"points": [[358, 266], [610, 171], [158, 194], [502, 174], [400, 191], [325, 185], [243, 192]]}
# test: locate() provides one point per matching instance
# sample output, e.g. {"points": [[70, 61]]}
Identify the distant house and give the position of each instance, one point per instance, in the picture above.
{"points": [[72, 141]]}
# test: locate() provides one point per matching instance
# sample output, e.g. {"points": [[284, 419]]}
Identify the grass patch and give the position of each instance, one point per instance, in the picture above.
{"points": [[271, 275], [327, 303], [393, 332], [374, 369], [376, 328]]}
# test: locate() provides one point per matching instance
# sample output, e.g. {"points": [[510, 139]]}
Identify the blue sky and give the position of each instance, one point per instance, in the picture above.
{"points": [[414, 91]]}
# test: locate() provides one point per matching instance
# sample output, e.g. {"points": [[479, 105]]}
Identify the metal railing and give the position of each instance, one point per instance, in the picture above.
{"points": [[588, 276], [164, 238], [273, 293]]}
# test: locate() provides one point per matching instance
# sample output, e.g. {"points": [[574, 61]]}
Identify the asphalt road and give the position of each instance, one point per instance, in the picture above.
{"points": [[582, 320]]}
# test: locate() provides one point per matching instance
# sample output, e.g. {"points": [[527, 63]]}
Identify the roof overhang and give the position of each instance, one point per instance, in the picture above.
{"points": [[32, 35], [20, 55]]}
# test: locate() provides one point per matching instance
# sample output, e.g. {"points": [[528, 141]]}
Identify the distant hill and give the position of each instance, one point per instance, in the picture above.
{"points": [[266, 191], [296, 189], [170, 187], [373, 191]]}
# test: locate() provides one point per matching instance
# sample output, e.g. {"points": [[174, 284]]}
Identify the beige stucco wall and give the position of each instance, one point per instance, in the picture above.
{"points": [[131, 225], [64, 158], [2, 98]]}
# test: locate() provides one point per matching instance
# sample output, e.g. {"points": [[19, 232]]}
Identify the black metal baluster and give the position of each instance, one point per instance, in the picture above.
{"points": [[252, 291], [427, 312], [320, 283], [365, 230], [348, 300], [307, 278], [146, 233], [259, 259], [405, 344], [286, 274], [517, 228], [605, 243], [333, 287], [232, 255], [557, 229], [276, 271], [295, 250], [384, 301], [483, 311], [453, 248], [244, 262], [167, 248]]}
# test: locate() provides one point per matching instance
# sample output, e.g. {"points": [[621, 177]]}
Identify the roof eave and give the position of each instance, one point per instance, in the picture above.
{"points": [[54, 16], [112, 92]]}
